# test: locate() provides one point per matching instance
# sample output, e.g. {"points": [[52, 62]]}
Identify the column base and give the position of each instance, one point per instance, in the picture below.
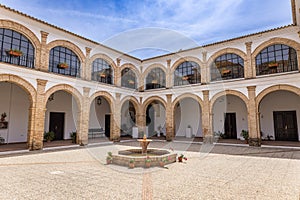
{"points": [[35, 146], [208, 139], [169, 138], [255, 142]]}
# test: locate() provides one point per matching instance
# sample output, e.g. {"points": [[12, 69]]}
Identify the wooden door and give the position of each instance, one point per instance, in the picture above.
{"points": [[285, 125], [107, 125], [57, 122], [230, 125]]}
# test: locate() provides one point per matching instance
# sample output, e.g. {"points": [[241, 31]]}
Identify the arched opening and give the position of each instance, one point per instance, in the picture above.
{"points": [[61, 115], [276, 58], [229, 117], [187, 118], [14, 110], [100, 119], [102, 71], [187, 73], [155, 119], [155, 79], [16, 48], [279, 116], [63, 60], [227, 66], [128, 118], [128, 78]]}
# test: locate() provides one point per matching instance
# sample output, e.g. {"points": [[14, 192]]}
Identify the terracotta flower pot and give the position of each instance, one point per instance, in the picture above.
{"points": [[131, 165], [161, 164], [179, 159], [148, 164]]}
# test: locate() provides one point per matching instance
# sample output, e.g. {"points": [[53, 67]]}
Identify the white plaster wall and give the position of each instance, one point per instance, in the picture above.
{"points": [[15, 103], [188, 113], [97, 114], [277, 101], [160, 117], [230, 104], [65, 103]]}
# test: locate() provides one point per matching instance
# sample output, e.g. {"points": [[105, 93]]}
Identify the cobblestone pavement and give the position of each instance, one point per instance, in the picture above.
{"points": [[252, 173]]}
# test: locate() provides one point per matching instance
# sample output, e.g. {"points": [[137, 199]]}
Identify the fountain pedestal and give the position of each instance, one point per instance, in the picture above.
{"points": [[144, 144]]}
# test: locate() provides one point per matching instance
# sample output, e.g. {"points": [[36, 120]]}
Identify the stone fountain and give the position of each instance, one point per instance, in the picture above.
{"points": [[140, 155]]}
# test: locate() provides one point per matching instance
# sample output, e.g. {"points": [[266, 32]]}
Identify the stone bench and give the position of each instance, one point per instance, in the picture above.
{"points": [[96, 132]]}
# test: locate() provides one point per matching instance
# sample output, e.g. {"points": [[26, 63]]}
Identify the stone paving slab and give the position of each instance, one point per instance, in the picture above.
{"points": [[82, 174]]}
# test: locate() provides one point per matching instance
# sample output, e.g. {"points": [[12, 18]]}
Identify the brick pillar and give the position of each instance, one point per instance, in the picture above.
{"points": [[204, 70], [141, 81], [117, 79], [169, 82], [87, 70], [169, 119], [115, 121], [37, 118], [249, 72], [83, 118], [141, 116], [206, 118], [44, 59], [253, 120]]}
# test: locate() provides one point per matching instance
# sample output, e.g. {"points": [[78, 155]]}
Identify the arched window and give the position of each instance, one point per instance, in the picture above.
{"points": [[64, 61], [128, 78], [187, 73], [16, 48], [156, 78], [102, 71], [227, 66], [276, 59]]}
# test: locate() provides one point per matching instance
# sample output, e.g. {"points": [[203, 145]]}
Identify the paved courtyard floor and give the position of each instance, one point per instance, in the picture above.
{"points": [[211, 172]]}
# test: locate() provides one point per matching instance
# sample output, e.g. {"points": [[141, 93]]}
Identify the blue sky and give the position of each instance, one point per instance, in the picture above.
{"points": [[199, 21]]}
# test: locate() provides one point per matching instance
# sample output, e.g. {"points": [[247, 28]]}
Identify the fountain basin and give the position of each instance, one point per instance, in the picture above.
{"points": [[155, 155]]}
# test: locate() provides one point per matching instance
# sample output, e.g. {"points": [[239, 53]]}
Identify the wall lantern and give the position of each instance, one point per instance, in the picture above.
{"points": [[99, 101]]}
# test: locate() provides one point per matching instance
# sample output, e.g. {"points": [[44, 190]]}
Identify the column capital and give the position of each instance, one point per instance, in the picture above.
{"points": [[87, 51], [118, 61], [86, 91], [44, 34], [205, 92], [41, 82], [118, 95], [169, 95], [204, 56], [169, 63], [248, 44], [251, 88]]}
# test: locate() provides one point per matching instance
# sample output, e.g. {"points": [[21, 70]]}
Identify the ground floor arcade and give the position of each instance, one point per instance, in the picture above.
{"points": [[27, 111]]}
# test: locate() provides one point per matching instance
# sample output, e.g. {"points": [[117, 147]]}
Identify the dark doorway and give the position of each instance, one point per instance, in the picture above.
{"points": [[107, 125], [57, 122], [230, 126], [285, 125]]}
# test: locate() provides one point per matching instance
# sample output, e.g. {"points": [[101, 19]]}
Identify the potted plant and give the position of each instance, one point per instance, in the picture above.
{"points": [[163, 161], [3, 115], [273, 64], [73, 136], [147, 162], [49, 136], [131, 163], [181, 158], [14, 52], [109, 158], [269, 137], [62, 65], [245, 135]]}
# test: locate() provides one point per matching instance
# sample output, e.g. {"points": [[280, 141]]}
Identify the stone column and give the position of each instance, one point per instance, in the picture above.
{"points": [[253, 128], [141, 81], [206, 119], [87, 70], [204, 70], [115, 121], [118, 73], [248, 68], [169, 119], [141, 116], [37, 118], [169, 82], [44, 59], [83, 118]]}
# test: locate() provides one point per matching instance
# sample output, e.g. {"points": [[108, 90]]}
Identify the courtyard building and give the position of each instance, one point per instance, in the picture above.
{"points": [[54, 80]]}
